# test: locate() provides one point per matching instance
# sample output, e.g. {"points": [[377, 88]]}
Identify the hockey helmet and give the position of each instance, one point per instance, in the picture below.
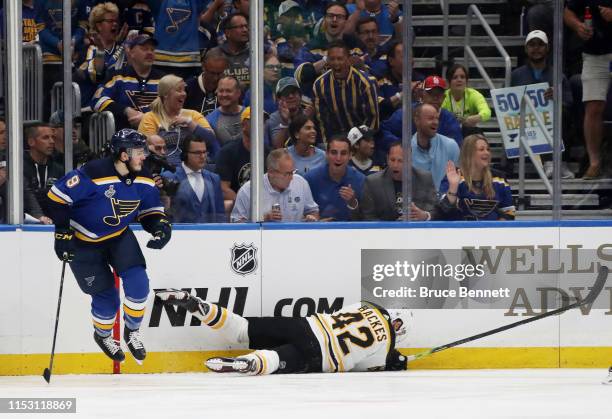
{"points": [[400, 321], [126, 139]]}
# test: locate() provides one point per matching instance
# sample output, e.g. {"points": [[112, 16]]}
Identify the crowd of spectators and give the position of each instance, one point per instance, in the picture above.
{"points": [[178, 71]]}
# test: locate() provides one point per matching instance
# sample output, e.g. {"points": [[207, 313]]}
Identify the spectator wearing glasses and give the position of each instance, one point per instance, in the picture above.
{"points": [[198, 198], [344, 97], [105, 49], [236, 47], [202, 90], [332, 29], [286, 195], [291, 104], [335, 185], [375, 59], [271, 76], [387, 16]]}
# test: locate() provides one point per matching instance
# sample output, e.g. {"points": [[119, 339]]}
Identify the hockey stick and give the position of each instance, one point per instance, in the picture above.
{"points": [[47, 372], [591, 296]]}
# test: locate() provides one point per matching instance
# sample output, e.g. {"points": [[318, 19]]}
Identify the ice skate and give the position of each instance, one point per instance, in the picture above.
{"points": [[110, 347], [184, 299], [608, 379], [134, 343], [249, 365]]}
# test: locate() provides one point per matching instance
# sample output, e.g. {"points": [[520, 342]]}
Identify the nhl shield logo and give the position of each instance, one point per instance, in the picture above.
{"points": [[244, 258]]}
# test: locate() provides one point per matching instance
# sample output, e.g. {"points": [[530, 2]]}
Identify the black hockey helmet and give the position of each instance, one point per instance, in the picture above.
{"points": [[127, 139]]}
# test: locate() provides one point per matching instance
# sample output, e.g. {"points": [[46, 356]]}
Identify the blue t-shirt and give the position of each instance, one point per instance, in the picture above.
{"points": [[305, 164], [326, 191]]}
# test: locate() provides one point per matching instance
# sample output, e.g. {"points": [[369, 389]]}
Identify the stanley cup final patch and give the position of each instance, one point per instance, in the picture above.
{"points": [[244, 258]]}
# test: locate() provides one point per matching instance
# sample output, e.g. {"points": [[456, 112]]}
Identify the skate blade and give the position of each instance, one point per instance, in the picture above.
{"points": [[224, 365]]}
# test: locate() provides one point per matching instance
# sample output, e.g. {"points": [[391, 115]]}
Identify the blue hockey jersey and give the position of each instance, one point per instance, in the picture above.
{"points": [[100, 203], [176, 30], [49, 20]]}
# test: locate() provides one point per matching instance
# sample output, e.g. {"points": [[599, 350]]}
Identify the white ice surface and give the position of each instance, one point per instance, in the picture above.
{"points": [[536, 393]]}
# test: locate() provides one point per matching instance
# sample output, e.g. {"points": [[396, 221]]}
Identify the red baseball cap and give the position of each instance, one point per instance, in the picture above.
{"points": [[432, 82]]}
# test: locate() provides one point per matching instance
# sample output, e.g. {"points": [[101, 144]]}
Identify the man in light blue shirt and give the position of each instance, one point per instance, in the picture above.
{"points": [[430, 150], [287, 196]]}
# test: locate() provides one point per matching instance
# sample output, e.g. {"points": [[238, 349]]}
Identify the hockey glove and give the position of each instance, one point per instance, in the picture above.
{"points": [[161, 235], [64, 244]]}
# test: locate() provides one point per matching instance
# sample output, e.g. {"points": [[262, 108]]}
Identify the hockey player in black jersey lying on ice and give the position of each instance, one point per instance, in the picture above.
{"points": [[360, 337]]}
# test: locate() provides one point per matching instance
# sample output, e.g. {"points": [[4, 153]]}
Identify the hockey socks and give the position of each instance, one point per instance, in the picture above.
{"points": [[233, 327], [260, 362]]}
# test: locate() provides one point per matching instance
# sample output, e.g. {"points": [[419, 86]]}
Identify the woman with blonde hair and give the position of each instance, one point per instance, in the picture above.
{"points": [[170, 121], [474, 192]]}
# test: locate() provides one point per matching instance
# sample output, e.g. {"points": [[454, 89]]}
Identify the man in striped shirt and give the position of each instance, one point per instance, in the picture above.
{"points": [[344, 96]]}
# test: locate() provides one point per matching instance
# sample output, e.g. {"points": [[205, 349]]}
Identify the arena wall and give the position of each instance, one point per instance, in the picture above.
{"points": [[298, 269]]}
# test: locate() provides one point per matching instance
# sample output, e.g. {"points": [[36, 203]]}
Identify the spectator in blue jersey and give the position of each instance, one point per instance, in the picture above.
{"points": [[104, 51], [236, 47], [226, 120], [390, 84], [92, 209], [336, 186], [171, 121], [375, 60], [291, 103], [130, 92], [29, 32], [430, 150], [362, 150], [137, 16], [332, 29], [303, 136], [49, 23], [198, 198], [386, 15], [344, 97], [202, 90], [271, 76], [432, 94], [475, 192], [176, 29], [282, 187]]}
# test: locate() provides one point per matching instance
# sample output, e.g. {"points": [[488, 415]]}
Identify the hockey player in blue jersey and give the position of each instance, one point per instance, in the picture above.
{"points": [[92, 208]]}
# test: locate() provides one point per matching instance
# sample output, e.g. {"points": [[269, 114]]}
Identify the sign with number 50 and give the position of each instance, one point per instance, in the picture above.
{"points": [[507, 103]]}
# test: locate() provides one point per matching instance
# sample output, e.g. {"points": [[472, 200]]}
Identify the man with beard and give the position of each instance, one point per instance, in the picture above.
{"points": [[128, 94], [92, 208], [236, 47], [344, 97]]}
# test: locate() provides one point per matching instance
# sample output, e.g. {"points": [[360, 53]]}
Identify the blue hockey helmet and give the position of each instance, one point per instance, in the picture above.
{"points": [[127, 139]]}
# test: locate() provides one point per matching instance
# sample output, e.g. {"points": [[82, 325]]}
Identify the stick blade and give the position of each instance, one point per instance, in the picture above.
{"points": [[47, 375]]}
